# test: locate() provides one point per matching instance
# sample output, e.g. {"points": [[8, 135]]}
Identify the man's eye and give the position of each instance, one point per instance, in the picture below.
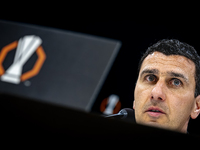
{"points": [[150, 78], [176, 82]]}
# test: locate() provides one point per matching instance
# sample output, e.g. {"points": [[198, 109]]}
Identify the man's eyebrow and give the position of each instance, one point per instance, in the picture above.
{"points": [[179, 75], [149, 71]]}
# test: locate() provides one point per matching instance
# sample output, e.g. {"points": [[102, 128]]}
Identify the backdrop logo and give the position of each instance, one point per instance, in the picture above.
{"points": [[25, 48], [110, 105]]}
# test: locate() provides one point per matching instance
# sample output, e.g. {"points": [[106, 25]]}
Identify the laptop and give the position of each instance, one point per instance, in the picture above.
{"points": [[54, 66]]}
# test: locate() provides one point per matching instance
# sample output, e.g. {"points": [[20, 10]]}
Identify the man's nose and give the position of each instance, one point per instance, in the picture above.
{"points": [[158, 92]]}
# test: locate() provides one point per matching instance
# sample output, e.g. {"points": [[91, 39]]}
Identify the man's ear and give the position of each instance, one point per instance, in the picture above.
{"points": [[134, 104], [196, 110]]}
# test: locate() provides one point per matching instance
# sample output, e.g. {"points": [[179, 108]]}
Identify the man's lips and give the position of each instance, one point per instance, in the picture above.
{"points": [[155, 111]]}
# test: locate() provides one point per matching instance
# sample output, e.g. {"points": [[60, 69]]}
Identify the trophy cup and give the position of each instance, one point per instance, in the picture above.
{"points": [[27, 45]]}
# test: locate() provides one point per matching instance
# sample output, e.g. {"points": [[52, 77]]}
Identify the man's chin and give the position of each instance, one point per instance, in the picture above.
{"points": [[155, 124]]}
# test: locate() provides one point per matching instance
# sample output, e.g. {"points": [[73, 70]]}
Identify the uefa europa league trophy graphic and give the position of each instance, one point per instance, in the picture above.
{"points": [[27, 45]]}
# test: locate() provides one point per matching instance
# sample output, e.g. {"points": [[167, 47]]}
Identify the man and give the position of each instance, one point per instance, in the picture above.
{"points": [[167, 92]]}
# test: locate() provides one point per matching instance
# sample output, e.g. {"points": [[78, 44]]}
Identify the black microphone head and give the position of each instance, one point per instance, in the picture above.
{"points": [[128, 113]]}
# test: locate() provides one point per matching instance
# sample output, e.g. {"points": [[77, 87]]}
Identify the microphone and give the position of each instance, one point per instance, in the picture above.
{"points": [[126, 113]]}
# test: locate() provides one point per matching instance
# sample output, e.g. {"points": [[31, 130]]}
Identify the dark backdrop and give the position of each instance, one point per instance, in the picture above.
{"points": [[136, 35]]}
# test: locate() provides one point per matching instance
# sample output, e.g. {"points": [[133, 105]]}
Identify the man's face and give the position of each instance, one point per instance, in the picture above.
{"points": [[164, 93]]}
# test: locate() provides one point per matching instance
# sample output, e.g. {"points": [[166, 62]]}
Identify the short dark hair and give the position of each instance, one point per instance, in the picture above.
{"points": [[175, 47]]}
